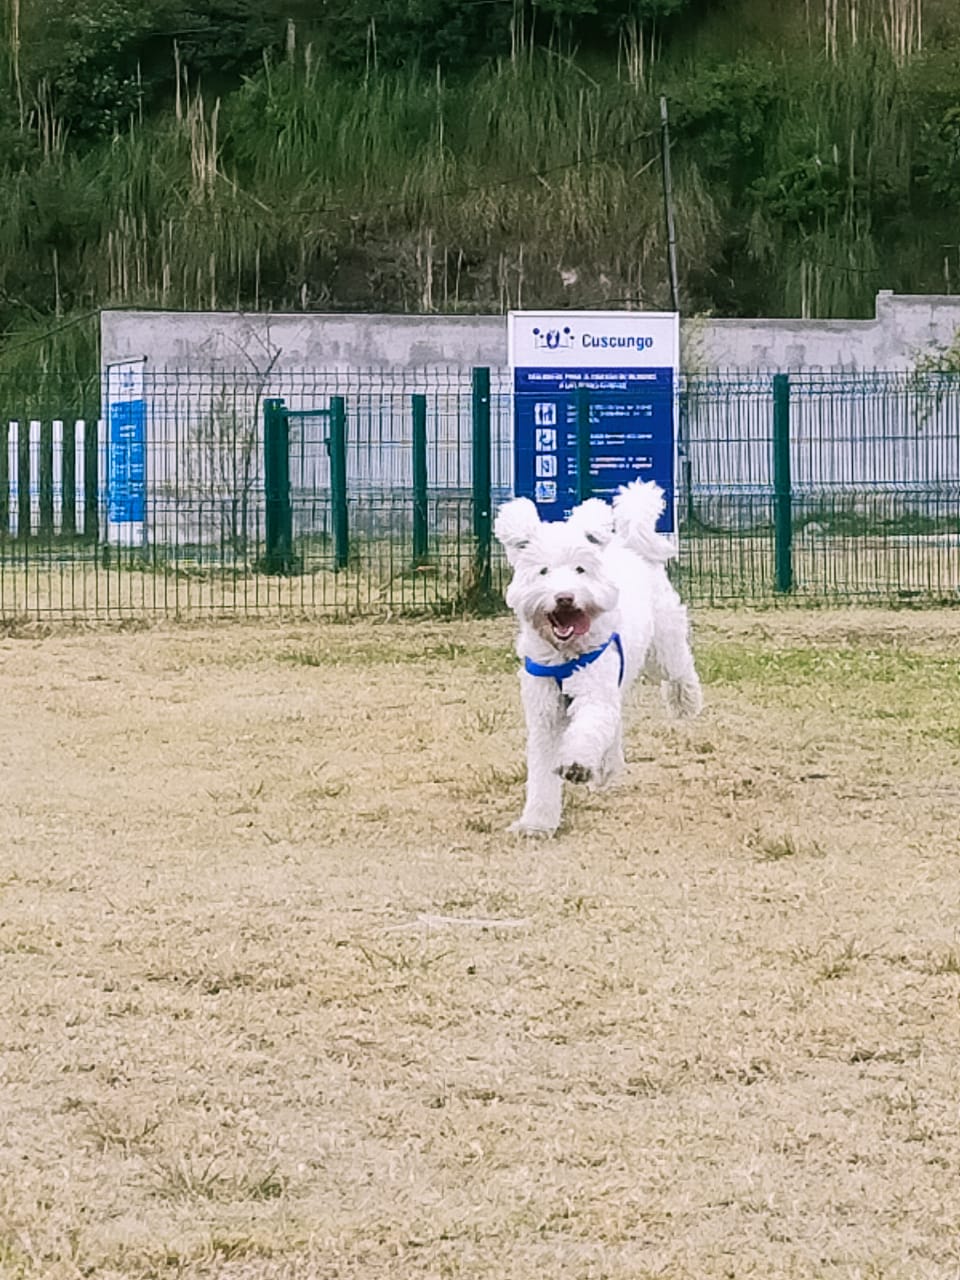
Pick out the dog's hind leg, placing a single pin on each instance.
(673, 658)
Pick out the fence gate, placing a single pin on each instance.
(279, 556)
(298, 471)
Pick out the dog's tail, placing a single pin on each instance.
(636, 509)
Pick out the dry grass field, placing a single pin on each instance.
(279, 998)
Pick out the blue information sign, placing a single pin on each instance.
(127, 482)
(626, 362)
(631, 435)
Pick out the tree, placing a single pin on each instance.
(104, 63)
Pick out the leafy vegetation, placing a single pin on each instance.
(426, 155)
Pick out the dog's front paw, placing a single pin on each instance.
(532, 829)
(575, 772)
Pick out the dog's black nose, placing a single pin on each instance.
(565, 601)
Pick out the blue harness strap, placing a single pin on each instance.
(563, 670)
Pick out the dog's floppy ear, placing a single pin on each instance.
(516, 525)
(593, 519)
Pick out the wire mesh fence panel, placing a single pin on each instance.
(725, 491)
(877, 485)
(167, 506)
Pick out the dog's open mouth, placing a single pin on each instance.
(567, 622)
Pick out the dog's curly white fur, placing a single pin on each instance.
(577, 583)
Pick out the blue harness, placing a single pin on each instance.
(562, 671)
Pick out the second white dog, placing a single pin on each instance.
(595, 608)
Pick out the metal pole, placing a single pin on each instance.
(668, 205)
(46, 524)
(683, 450)
(23, 480)
(482, 514)
(420, 532)
(4, 480)
(782, 495)
(338, 481)
(92, 479)
(269, 485)
(68, 500)
(584, 482)
(278, 516)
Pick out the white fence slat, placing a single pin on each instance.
(13, 473)
(79, 472)
(34, 476)
(56, 431)
(103, 474)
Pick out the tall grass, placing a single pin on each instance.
(50, 370)
(535, 157)
(838, 160)
(456, 194)
(533, 182)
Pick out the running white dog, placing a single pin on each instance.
(596, 608)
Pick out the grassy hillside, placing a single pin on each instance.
(816, 158)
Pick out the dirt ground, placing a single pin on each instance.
(280, 999)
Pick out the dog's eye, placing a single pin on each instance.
(543, 572)
(580, 569)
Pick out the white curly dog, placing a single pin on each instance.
(596, 609)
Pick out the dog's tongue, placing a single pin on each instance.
(573, 620)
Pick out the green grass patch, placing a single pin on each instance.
(739, 665)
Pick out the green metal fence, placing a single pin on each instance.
(335, 493)
(828, 487)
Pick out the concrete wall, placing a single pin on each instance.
(905, 326)
(254, 344)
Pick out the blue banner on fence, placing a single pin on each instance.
(627, 363)
(128, 474)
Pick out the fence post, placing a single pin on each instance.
(584, 484)
(23, 481)
(338, 481)
(782, 495)
(420, 531)
(68, 500)
(45, 524)
(683, 452)
(278, 516)
(92, 478)
(482, 514)
(4, 480)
